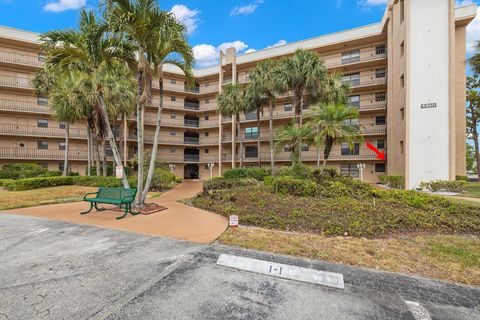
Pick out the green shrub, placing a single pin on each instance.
(437, 185)
(250, 172)
(163, 179)
(300, 171)
(395, 182)
(324, 173)
(47, 182)
(295, 187)
(2, 181)
(228, 183)
(461, 178)
(22, 171)
(110, 170)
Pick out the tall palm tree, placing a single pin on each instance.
(87, 50)
(295, 137)
(140, 21)
(232, 102)
(329, 124)
(172, 48)
(255, 102)
(304, 74)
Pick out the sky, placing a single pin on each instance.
(216, 24)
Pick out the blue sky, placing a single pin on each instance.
(214, 24)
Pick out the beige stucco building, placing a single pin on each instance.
(407, 75)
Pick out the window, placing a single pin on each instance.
(173, 115)
(207, 133)
(287, 107)
(305, 106)
(42, 101)
(352, 122)
(380, 97)
(251, 133)
(42, 123)
(402, 10)
(354, 79)
(402, 81)
(173, 98)
(305, 147)
(42, 145)
(380, 120)
(381, 144)
(207, 150)
(173, 133)
(402, 113)
(379, 167)
(62, 146)
(41, 57)
(354, 101)
(379, 50)
(350, 170)
(173, 81)
(173, 149)
(61, 166)
(207, 100)
(380, 73)
(402, 48)
(401, 146)
(207, 117)
(63, 125)
(346, 151)
(350, 57)
(43, 164)
(108, 150)
(251, 152)
(287, 148)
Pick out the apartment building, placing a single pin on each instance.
(407, 74)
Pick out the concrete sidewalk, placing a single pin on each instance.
(179, 221)
(58, 270)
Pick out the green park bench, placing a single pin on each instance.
(120, 197)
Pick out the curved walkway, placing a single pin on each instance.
(179, 221)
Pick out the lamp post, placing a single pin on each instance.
(210, 166)
(361, 167)
(172, 167)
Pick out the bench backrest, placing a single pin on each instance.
(116, 193)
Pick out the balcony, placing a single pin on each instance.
(363, 56)
(191, 105)
(335, 155)
(41, 154)
(23, 106)
(369, 105)
(191, 140)
(15, 82)
(191, 123)
(195, 89)
(35, 131)
(367, 80)
(20, 58)
(191, 157)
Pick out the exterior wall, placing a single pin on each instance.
(460, 97)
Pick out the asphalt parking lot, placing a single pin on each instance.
(58, 270)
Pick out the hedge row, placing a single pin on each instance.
(46, 182)
(438, 185)
(252, 172)
(395, 182)
(227, 183)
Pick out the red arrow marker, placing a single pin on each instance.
(380, 155)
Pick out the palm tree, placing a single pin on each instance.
(295, 137)
(87, 50)
(140, 21)
(329, 125)
(255, 102)
(303, 73)
(232, 102)
(172, 48)
(263, 82)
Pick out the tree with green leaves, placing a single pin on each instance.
(473, 115)
(87, 50)
(328, 122)
(295, 137)
(304, 73)
(264, 84)
(255, 102)
(231, 103)
(471, 161)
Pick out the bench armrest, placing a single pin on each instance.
(89, 193)
(127, 198)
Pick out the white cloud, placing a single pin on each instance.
(250, 50)
(186, 16)
(63, 5)
(371, 3)
(248, 9)
(278, 44)
(207, 55)
(473, 32)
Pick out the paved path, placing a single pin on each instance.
(57, 270)
(179, 221)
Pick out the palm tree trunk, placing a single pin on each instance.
(258, 139)
(477, 151)
(327, 150)
(301, 110)
(156, 139)
(318, 156)
(89, 151)
(233, 142)
(104, 158)
(67, 142)
(240, 139)
(272, 147)
(140, 145)
(97, 154)
(111, 140)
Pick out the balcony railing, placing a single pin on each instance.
(191, 123)
(195, 89)
(35, 131)
(369, 104)
(367, 80)
(20, 58)
(191, 140)
(364, 56)
(191, 105)
(23, 106)
(41, 154)
(15, 81)
(191, 157)
(335, 155)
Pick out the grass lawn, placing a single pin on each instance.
(448, 257)
(36, 197)
(472, 189)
